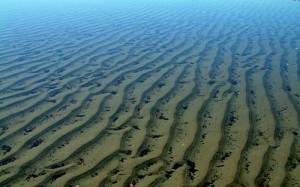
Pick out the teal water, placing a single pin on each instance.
(155, 93)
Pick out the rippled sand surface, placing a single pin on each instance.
(156, 93)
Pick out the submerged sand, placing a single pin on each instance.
(195, 94)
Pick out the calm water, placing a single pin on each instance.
(156, 93)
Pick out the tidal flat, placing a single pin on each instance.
(156, 93)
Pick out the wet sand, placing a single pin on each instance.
(171, 94)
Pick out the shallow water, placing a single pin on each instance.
(157, 93)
